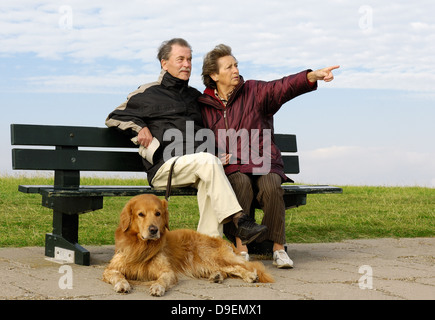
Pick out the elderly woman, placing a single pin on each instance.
(229, 102)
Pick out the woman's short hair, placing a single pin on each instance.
(165, 48)
(210, 64)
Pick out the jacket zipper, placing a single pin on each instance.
(227, 142)
(225, 118)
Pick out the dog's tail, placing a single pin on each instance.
(263, 275)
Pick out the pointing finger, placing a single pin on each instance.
(332, 68)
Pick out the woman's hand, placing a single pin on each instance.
(324, 74)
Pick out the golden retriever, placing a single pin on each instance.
(145, 250)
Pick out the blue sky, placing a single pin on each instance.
(73, 62)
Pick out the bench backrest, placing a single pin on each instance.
(67, 160)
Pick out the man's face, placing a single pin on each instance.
(179, 64)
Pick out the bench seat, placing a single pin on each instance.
(127, 191)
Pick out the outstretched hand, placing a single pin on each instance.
(324, 74)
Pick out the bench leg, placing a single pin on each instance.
(65, 236)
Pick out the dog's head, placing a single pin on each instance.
(145, 215)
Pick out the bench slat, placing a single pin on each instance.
(41, 135)
(291, 164)
(82, 160)
(316, 189)
(113, 191)
(38, 135)
(116, 191)
(286, 142)
(34, 159)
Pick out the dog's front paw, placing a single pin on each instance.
(122, 286)
(157, 290)
(217, 278)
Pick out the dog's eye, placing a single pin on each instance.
(158, 214)
(141, 214)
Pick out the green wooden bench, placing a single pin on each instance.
(106, 150)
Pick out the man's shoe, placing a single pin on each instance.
(282, 260)
(248, 230)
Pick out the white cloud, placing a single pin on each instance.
(117, 81)
(358, 165)
(274, 37)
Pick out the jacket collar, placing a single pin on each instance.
(167, 80)
(210, 92)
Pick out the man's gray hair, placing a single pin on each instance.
(165, 48)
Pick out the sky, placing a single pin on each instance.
(73, 62)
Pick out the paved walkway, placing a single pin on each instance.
(380, 269)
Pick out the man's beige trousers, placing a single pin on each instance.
(216, 198)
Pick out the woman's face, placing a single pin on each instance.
(228, 75)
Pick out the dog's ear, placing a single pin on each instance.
(125, 218)
(165, 213)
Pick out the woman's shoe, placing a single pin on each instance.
(282, 260)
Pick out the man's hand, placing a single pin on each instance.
(145, 137)
(324, 74)
(225, 158)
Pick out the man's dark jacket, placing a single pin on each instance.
(165, 104)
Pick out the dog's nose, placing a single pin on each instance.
(153, 230)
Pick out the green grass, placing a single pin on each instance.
(364, 212)
(360, 212)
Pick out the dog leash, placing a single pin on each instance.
(169, 184)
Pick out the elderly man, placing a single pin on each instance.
(169, 105)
